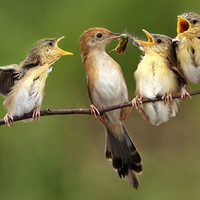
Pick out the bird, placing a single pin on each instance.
(22, 85)
(106, 86)
(187, 43)
(157, 75)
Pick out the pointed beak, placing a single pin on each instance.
(122, 42)
(62, 52)
(144, 43)
(183, 26)
(114, 36)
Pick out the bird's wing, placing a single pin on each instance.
(181, 79)
(173, 65)
(8, 75)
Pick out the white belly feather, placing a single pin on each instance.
(26, 95)
(110, 88)
(151, 83)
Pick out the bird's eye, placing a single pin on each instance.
(194, 21)
(159, 41)
(99, 35)
(50, 43)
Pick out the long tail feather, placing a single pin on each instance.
(124, 155)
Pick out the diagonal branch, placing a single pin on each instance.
(47, 111)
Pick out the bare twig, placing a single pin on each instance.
(46, 112)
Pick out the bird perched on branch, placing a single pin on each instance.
(106, 87)
(23, 85)
(188, 46)
(157, 75)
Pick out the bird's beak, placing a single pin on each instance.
(115, 36)
(183, 26)
(122, 42)
(62, 52)
(144, 43)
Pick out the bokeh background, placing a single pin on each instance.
(62, 157)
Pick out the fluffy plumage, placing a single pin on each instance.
(188, 45)
(157, 75)
(106, 87)
(23, 85)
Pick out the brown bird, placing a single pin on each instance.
(23, 85)
(106, 87)
(157, 75)
(188, 46)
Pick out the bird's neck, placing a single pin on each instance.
(28, 64)
(37, 73)
(99, 61)
(93, 54)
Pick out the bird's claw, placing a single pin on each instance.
(36, 114)
(167, 98)
(8, 119)
(94, 111)
(136, 102)
(184, 93)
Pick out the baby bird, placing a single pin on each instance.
(106, 87)
(188, 46)
(23, 85)
(157, 75)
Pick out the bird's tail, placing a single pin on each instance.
(124, 155)
(158, 112)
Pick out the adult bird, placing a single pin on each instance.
(157, 75)
(23, 85)
(188, 45)
(106, 86)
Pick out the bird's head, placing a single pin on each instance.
(46, 51)
(156, 43)
(188, 24)
(96, 38)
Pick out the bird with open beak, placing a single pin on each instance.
(157, 75)
(106, 87)
(188, 46)
(23, 85)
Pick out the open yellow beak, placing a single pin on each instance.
(183, 26)
(63, 53)
(149, 37)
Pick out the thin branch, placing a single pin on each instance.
(47, 112)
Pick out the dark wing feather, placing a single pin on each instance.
(8, 76)
(173, 65)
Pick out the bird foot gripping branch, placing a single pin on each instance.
(184, 93)
(167, 98)
(8, 119)
(36, 114)
(137, 101)
(94, 111)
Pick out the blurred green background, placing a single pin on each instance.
(62, 157)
